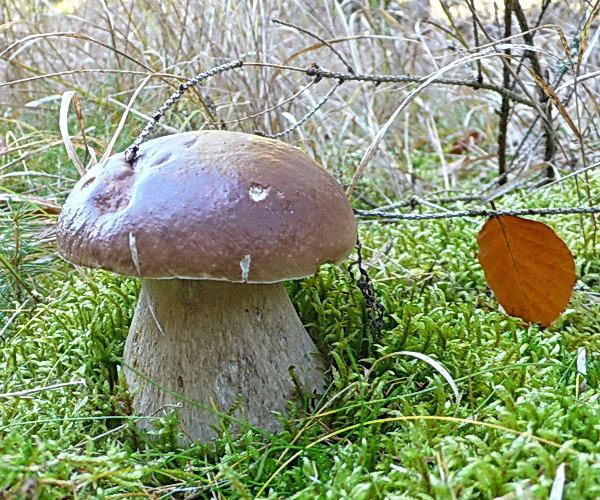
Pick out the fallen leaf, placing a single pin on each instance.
(466, 144)
(529, 268)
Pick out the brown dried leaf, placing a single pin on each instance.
(467, 143)
(529, 268)
(557, 103)
(585, 33)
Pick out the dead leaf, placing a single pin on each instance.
(529, 268)
(467, 143)
(557, 103)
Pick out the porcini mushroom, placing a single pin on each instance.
(213, 222)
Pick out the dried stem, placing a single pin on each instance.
(505, 104)
(316, 71)
(317, 37)
(28, 392)
(302, 120)
(550, 144)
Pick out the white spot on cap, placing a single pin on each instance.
(258, 192)
(245, 266)
(134, 254)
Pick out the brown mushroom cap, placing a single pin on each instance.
(208, 205)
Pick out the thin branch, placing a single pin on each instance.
(504, 111)
(266, 111)
(131, 151)
(302, 120)
(378, 79)
(475, 19)
(549, 138)
(317, 37)
(395, 216)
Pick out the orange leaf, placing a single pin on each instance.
(529, 268)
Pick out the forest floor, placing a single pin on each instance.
(447, 396)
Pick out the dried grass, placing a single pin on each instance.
(104, 50)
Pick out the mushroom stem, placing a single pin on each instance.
(214, 342)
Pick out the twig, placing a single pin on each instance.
(471, 5)
(374, 308)
(302, 120)
(550, 145)
(370, 151)
(270, 109)
(504, 111)
(131, 151)
(414, 201)
(317, 37)
(565, 177)
(394, 216)
(40, 389)
(378, 79)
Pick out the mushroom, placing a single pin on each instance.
(213, 222)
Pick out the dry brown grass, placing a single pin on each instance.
(104, 50)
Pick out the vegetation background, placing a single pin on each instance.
(526, 423)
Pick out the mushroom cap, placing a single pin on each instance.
(208, 205)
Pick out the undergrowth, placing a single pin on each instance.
(374, 433)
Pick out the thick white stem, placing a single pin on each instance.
(213, 342)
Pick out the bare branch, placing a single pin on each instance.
(317, 37)
(302, 120)
(131, 151)
(395, 216)
(378, 79)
